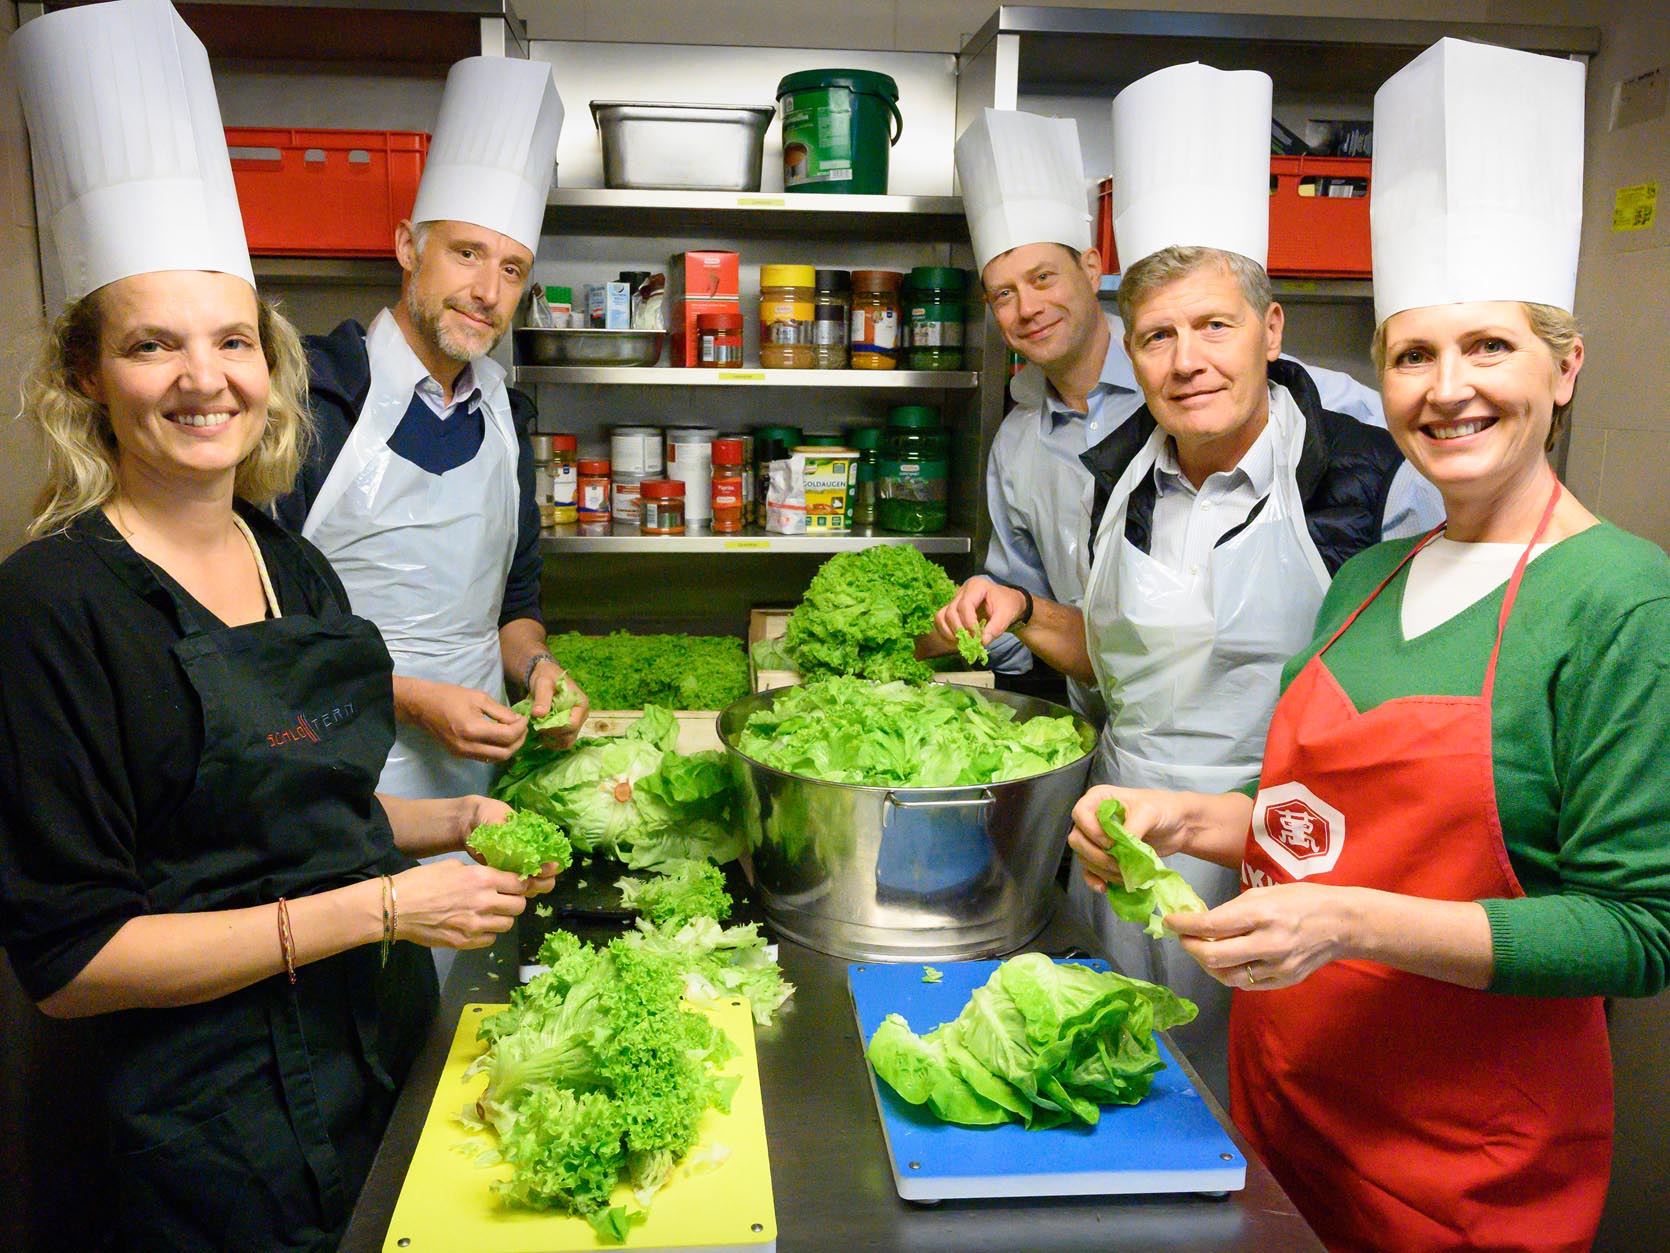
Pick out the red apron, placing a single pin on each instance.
(1402, 1112)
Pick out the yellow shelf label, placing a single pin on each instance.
(1633, 207)
(734, 544)
(742, 376)
(761, 202)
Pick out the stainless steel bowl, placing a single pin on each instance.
(586, 346)
(906, 874)
(693, 147)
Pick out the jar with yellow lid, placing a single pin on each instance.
(787, 293)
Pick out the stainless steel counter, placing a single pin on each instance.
(828, 1162)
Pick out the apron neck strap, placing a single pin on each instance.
(1512, 593)
(1381, 586)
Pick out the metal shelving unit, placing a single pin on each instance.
(1289, 290)
(750, 376)
(768, 215)
(699, 539)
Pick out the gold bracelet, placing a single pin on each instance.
(394, 911)
(286, 941)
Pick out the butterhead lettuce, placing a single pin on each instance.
(1151, 889)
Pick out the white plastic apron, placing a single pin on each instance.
(1191, 669)
(424, 556)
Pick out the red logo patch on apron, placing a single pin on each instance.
(1301, 833)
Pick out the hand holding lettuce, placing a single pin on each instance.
(1151, 890)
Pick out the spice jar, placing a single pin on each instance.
(866, 441)
(875, 319)
(565, 480)
(913, 480)
(831, 315)
(719, 339)
(626, 498)
(786, 297)
(663, 507)
(933, 313)
(592, 490)
(541, 447)
(728, 481)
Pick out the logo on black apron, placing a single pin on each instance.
(307, 730)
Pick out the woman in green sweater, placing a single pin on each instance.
(1460, 840)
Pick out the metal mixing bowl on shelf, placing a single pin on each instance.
(536, 345)
(906, 874)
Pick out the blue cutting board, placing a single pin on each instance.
(1169, 1142)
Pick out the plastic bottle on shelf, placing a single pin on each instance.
(914, 471)
(934, 310)
(831, 319)
(787, 293)
(728, 480)
(875, 319)
(565, 480)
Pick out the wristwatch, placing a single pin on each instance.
(1026, 613)
(533, 664)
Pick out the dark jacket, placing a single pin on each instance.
(339, 378)
(1345, 472)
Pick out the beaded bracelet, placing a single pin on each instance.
(286, 941)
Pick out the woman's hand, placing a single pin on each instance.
(545, 681)
(1213, 828)
(448, 904)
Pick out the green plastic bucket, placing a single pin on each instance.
(838, 128)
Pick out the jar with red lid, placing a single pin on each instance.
(565, 482)
(592, 490)
(662, 502)
(719, 339)
(728, 481)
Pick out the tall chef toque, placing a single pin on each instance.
(1022, 179)
(127, 144)
(495, 147)
(1478, 179)
(1191, 162)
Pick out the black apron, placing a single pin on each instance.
(250, 1122)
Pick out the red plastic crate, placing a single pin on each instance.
(324, 193)
(1310, 236)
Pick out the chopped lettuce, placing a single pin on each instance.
(630, 796)
(718, 962)
(863, 613)
(904, 735)
(681, 891)
(970, 647)
(522, 844)
(1041, 1043)
(1151, 889)
(626, 671)
(932, 974)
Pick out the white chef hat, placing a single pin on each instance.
(1477, 191)
(494, 148)
(1022, 179)
(1191, 162)
(127, 144)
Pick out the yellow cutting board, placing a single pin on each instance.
(445, 1204)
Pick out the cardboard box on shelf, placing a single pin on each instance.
(697, 282)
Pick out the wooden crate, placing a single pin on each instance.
(698, 730)
(770, 624)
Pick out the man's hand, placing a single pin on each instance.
(546, 676)
(467, 723)
(978, 601)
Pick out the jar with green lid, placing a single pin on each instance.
(866, 440)
(771, 443)
(934, 310)
(822, 439)
(787, 293)
(831, 310)
(913, 472)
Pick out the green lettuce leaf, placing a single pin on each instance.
(1151, 889)
(971, 649)
(560, 714)
(863, 612)
(626, 671)
(522, 844)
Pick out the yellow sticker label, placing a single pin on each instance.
(742, 376)
(1633, 207)
(760, 202)
(732, 545)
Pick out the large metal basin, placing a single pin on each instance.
(893, 874)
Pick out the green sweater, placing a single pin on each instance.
(1581, 730)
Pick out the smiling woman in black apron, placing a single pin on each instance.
(192, 721)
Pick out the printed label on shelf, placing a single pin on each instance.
(734, 544)
(742, 376)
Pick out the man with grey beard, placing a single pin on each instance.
(420, 485)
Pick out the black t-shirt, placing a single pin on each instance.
(101, 733)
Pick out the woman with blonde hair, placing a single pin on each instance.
(1460, 841)
(192, 720)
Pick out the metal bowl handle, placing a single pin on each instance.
(985, 798)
